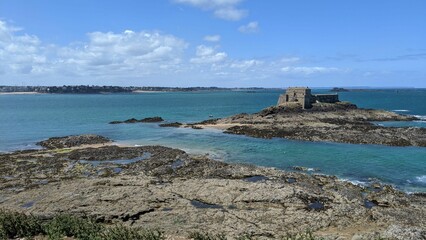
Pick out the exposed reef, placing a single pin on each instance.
(161, 187)
(173, 124)
(144, 120)
(73, 141)
(339, 89)
(334, 122)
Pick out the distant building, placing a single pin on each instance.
(304, 96)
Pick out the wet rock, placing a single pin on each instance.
(316, 205)
(151, 119)
(144, 120)
(339, 122)
(173, 124)
(131, 120)
(209, 121)
(257, 178)
(370, 204)
(200, 204)
(73, 141)
(300, 168)
(115, 122)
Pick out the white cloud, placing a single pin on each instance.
(224, 9)
(135, 58)
(206, 54)
(104, 54)
(289, 60)
(246, 64)
(251, 27)
(230, 13)
(212, 38)
(19, 53)
(308, 70)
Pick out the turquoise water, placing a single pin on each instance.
(26, 119)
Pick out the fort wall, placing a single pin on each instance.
(304, 96)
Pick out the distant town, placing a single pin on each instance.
(85, 89)
(93, 89)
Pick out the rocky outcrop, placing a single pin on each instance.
(160, 187)
(338, 89)
(339, 122)
(144, 120)
(173, 124)
(73, 141)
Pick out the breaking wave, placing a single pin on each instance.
(421, 179)
(401, 110)
(422, 117)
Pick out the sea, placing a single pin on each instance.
(27, 119)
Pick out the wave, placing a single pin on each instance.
(422, 117)
(421, 179)
(401, 110)
(355, 182)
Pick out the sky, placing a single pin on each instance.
(224, 43)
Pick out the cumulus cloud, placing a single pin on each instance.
(251, 27)
(224, 9)
(246, 64)
(127, 48)
(308, 70)
(289, 60)
(206, 54)
(108, 58)
(19, 53)
(104, 54)
(212, 38)
(230, 13)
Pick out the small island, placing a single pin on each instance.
(300, 115)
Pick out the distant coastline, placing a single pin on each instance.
(83, 89)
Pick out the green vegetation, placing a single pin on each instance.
(18, 225)
(122, 232)
(70, 226)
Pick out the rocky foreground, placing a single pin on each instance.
(160, 187)
(334, 122)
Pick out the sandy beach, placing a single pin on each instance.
(18, 93)
(141, 91)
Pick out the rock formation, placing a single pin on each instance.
(160, 187)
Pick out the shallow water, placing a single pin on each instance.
(26, 119)
(116, 161)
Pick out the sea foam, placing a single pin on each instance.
(421, 179)
(422, 117)
(401, 110)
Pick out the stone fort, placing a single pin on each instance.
(304, 96)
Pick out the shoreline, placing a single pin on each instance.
(218, 156)
(156, 186)
(19, 93)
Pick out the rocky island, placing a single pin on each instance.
(321, 117)
(164, 188)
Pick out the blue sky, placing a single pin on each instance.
(230, 43)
